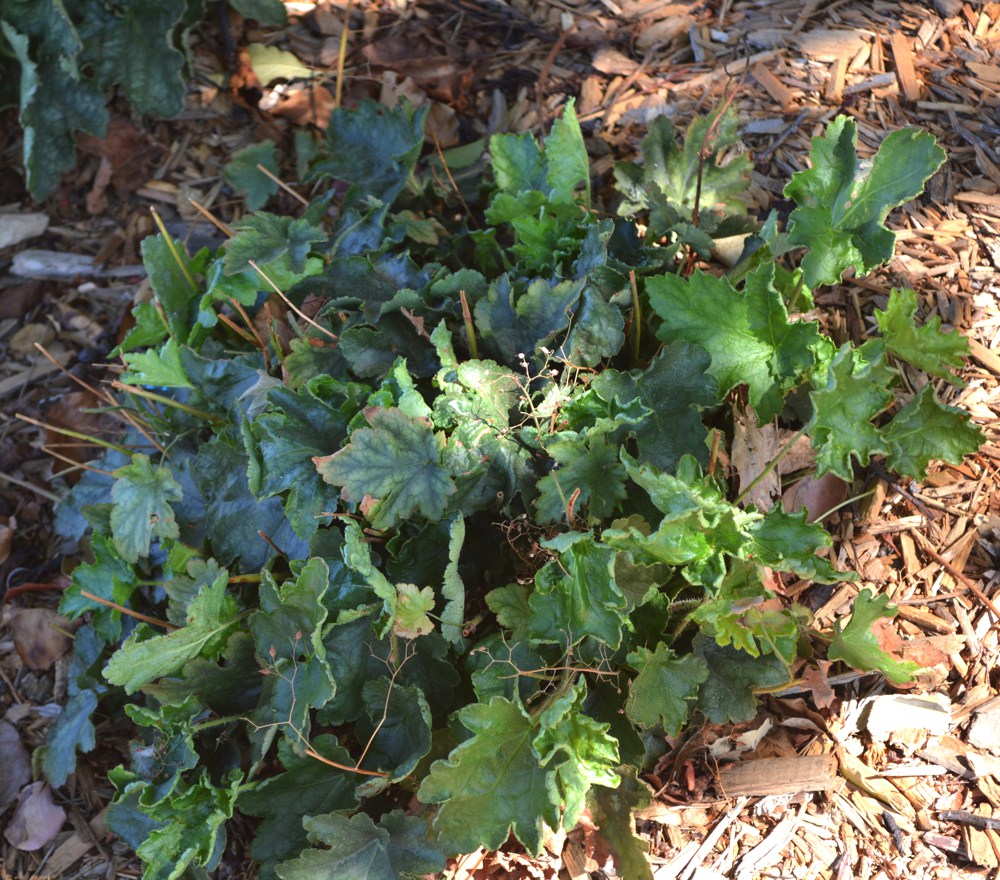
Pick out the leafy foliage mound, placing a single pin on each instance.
(438, 539)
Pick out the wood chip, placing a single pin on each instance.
(779, 775)
(783, 95)
(828, 45)
(903, 56)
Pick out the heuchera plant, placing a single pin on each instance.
(425, 499)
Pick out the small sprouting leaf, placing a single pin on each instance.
(926, 429)
(140, 660)
(843, 203)
(491, 784)
(243, 175)
(925, 347)
(412, 605)
(858, 646)
(141, 510)
(665, 690)
(747, 333)
(398, 463)
(358, 849)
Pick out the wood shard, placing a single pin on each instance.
(775, 87)
(903, 57)
(779, 776)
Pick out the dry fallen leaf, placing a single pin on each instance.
(15, 765)
(39, 636)
(8, 528)
(36, 820)
(816, 494)
(754, 448)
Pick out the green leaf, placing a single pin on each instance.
(291, 617)
(491, 784)
(397, 464)
(925, 347)
(395, 728)
(856, 391)
(727, 693)
(134, 48)
(577, 596)
(300, 427)
(140, 660)
(412, 605)
(307, 787)
(748, 334)
(271, 64)
(161, 367)
(55, 104)
(453, 590)
(171, 271)
(540, 312)
(373, 148)
(843, 203)
(243, 175)
(578, 748)
(925, 430)
(267, 13)
(266, 238)
(666, 688)
(612, 810)
(786, 542)
(858, 646)
(142, 494)
(587, 472)
(675, 387)
(107, 577)
(358, 558)
(566, 161)
(518, 163)
(73, 732)
(358, 849)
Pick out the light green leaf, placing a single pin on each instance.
(243, 175)
(925, 347)
(841, 429)
(141, 508)
(858, 646)
(566, 161)
(160, 367)
(453, 590)
(271, 64)
(491, 784)
(843, 202)
(926, 430)
(665, 690)
(748, 334)
(140, 660)
(397, 463)
(358, 849)
(265, 238)
(412, 605)
(358, 558)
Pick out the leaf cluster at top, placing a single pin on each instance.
(460, 531)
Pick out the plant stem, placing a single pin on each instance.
(636, 318)
(470, 328)
(168, 239)
(168, 401)
(107, 444)
(215, 722)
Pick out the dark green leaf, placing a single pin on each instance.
(786, 542)
(395, 729)
(612, 810)
(588, 482)
(267, 13)
(727, 694)
(265, 238)
(665, 690)
(247, 179)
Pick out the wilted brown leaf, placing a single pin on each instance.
(39, 635)
(36, 820)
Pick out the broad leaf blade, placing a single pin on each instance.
(858, 646)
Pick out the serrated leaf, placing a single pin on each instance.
(786, 542)
(587, 483)
(612, 810)
(141, 507)
(265, 238)
(453, 588)
(925, 347)
(358, 558)
(858, 646)
(577, 596)
(271, 64)
(243, 175)
(666, 688)
(491, 784)
(72, 732)
(140, 660)
(748, 334)
(374, 149)
(55, 104)
(926, 430)
(412, 605)
(395, 728)
(727, 694)
(841, 429)
(566, 161)
(171, 270)
(134, 48)
(358, 849)
(843, 203)
(675, 387)
(301, 426)
(160, 367)
(517, 323)
(307, 787)
(398, 462)
(577, 748)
